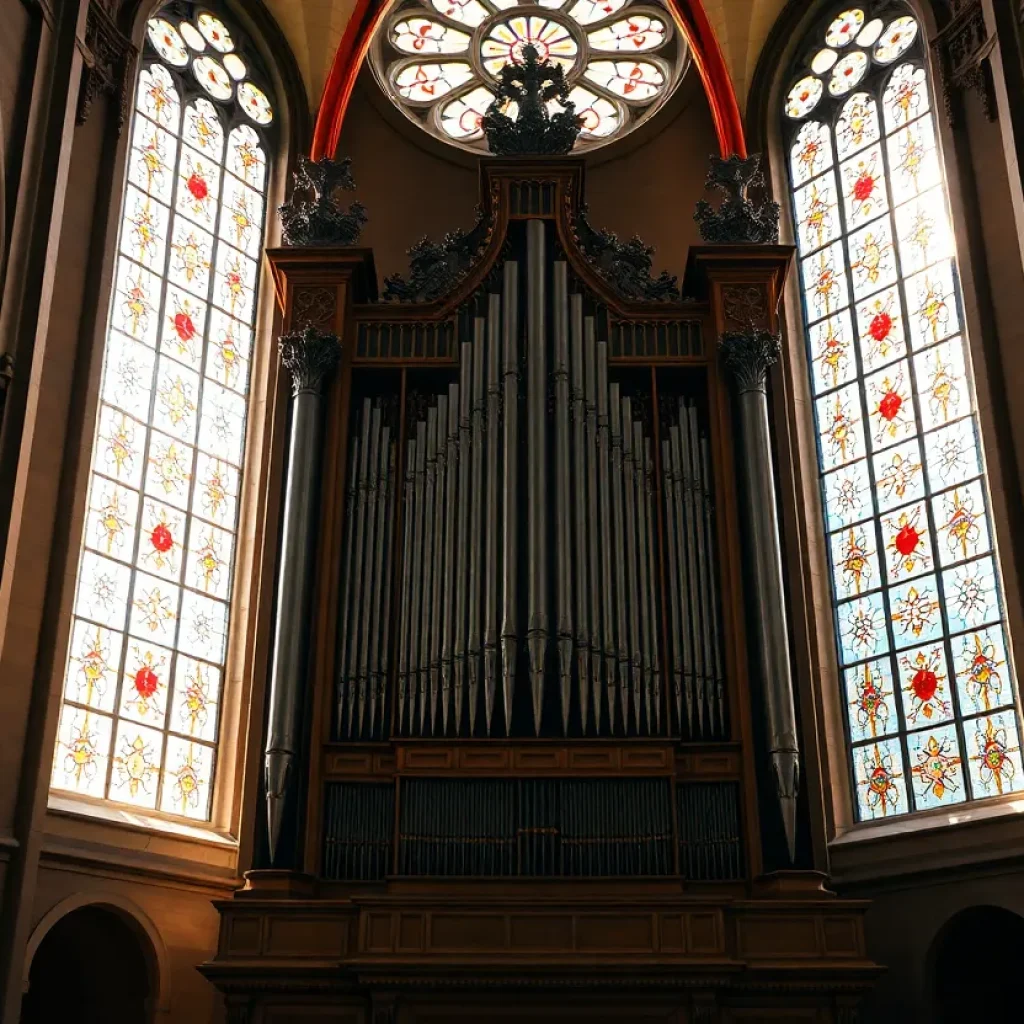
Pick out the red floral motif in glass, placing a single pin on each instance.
(196, 184)
(924, 684)
(146, 681)
(889, 406)
(161, 538)
(907, 540)
(880, 326)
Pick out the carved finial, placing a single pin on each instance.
(309, 355)
(435, 268)
(626, 266)
(312, 216)
(531, 85)
(738, 219)
(749, 354)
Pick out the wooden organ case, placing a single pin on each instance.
(528, 788)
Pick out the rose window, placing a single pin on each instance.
(439, 61)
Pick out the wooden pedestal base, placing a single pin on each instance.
(608, 953)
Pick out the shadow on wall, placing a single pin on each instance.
(974, 966)
(92, 967)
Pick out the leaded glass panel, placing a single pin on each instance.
(439, 61)
(931, 712)
(142, 687)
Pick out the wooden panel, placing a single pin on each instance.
(500, 758)
(842, 936)
(541, 759)
(426, 759)
(540, 932)
(297, 935)
(704, 933)
(313, 1015)
(525, 933)
(243, 935)
(778, 936)
(376, 935)
(782, 1015)
(619, 933)
(349, 763)
(485, 759)
(412, 933)
(474, 933)
(708, 764)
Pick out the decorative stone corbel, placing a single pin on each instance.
(108, 60)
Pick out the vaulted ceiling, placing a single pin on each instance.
(315, 27)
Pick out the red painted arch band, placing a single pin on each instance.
(690, 14)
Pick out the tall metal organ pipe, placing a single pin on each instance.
(536, 448)
(491, 520)
(476, 497)
(510, 437)
(589, 488)
(562, 496)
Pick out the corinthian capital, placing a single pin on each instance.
(749, 354)
(309, 356)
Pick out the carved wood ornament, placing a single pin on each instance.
(963, 49)
(108, 62)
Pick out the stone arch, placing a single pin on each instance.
(971, 963)
(137, 920)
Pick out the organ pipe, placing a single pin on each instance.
(491, 523)
(583, 496)
(408, 511)
(510, 549)
(601, 524)
(443, 484)
(476, 496)
(632, 562)
(562, 498)
(593, 506)
(448, 595)
(461, 560)
(536, 446)
(428, 568)
(618, 532)
(591, 487)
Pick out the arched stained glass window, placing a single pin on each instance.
(929, 693)
(144, 677)
(439, 60)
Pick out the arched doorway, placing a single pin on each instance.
(975, 963)
(91, 967)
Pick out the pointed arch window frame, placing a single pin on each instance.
(970, 753)
(215, 812)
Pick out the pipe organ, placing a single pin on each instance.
(531, 747)
(541, 533)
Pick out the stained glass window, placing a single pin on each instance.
(931, 713)
(439, 60)
(145, 670)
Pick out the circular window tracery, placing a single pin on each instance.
(210, 52)
(438, 61)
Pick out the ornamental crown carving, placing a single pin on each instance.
(313, 215)
(738, 219)
(309, 356)
(535, 131)
(749, 355)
